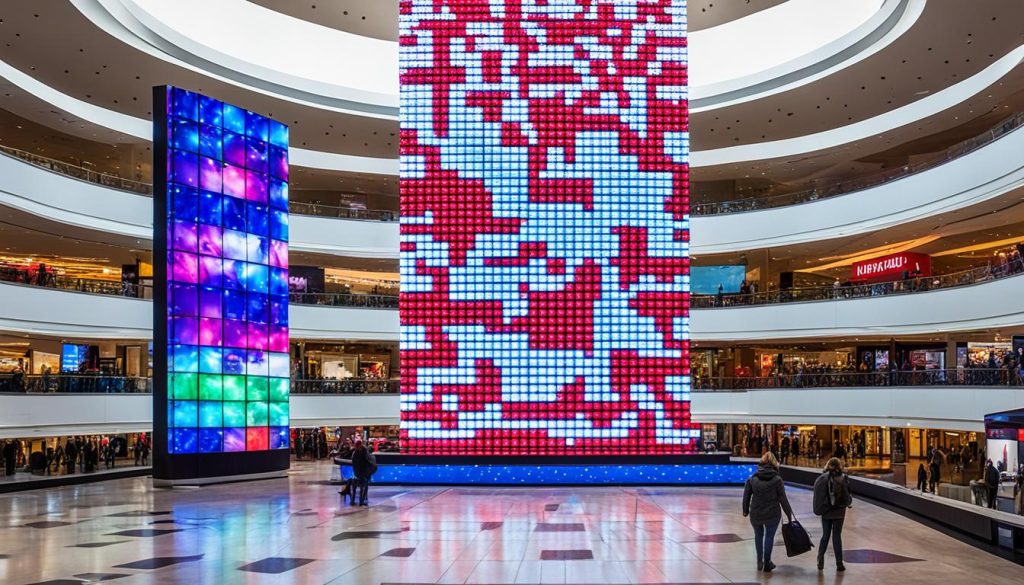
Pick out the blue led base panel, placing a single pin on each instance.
(495, 473)
(220, 248)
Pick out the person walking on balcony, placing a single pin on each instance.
(832, 497)
(922, 478)
(764, 500)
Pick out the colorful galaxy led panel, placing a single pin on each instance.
(226, 267)
(545, 229)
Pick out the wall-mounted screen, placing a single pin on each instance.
(545, 228)
(221, 349)
(705, 280)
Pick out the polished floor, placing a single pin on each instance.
(297, 530)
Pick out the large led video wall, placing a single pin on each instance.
(545, 228)
(221, 310)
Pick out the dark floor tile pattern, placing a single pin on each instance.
(43, 524)
(567, 555)
(365, 534)
(91, 577)
(97, 544)
(399, 553)
(491, 525)
(871, 556)
(146, 532)
(60, 582)
(553, 527)
(551, 507)
(136, 514)
(159, 562)
(275, 565)
(725, 538)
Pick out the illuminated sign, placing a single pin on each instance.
(221, 301)
(892, 267)
(545, 227)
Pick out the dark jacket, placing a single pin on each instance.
(991, 476)
(763, 495)
(363, 463)
(821, 504)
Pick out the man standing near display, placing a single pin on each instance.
(991, 483)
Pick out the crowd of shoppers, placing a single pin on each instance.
(78, 454)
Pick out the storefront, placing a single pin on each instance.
(328, 361)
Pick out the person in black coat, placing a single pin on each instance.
(991, 483)
(363, 466)
(831, 499)
(10, 453)
(764, 500)
(922, 478)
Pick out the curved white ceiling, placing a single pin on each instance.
(143, 129)
(753, 56)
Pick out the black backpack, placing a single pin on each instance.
(839, 495)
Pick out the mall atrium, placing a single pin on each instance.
(511, 291)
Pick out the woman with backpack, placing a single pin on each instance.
(764, 500)
(831, 499)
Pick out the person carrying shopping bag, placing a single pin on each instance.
(832, 497)
(764, 500)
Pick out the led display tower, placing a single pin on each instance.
(544, 228)
(220, 320)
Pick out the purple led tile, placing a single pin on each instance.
(184, 236)
(211, 332)
(209, 174)
(256, 186)
(234, 181)
(210, 240)
(184, 268)
(234, 334)
(211, 271)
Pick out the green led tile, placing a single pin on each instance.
(211, 387)
(185, 386)
(256, 388)
(256, 414)
(278, 414)
(234, 414)
(279, 389)
(211, 414)
(234, 388)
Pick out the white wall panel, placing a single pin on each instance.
(989, 305)
(41, 415)
(936, 407)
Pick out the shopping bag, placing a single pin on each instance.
(796, 539)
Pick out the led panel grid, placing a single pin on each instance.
(545, 228)
(227, 277)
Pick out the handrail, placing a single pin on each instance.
(833, 188)
(998, 377)
(105, 384)
(74, 384)
(79, 172)
(859, 291)
(818, 190)
(771, 297)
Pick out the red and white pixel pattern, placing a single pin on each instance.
(545, 229)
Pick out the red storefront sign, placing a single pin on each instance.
(891, 267)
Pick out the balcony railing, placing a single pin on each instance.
(103, 384)
(818, 190)
(990, 377)
(372, 301)
(833, 188)
(79, 172)
(73, 384)
(347, 386)
(860, 291)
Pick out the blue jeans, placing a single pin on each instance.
(833, 528)
(764, 540)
